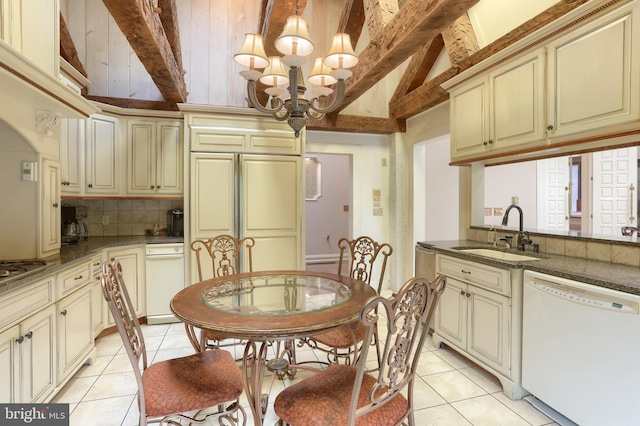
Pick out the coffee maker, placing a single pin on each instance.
(175, 222)
(74, 227)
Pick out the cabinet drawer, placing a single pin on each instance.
(25, 300)
(73, 278)
(96, 265)
(477, 274)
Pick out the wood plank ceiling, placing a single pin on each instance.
(398, 30)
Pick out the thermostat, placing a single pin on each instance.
(29, 169)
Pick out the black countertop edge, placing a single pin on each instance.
(83, 251)
(615, 276)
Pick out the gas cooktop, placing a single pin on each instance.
(14, 269)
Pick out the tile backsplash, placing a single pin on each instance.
(125, 217)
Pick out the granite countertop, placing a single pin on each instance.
(82, 251)
(615, 276)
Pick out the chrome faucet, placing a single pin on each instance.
(522, 238)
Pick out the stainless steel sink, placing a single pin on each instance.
(501, 255)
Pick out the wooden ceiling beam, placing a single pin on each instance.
(431, 94)
(418, 68)
(417, 23)
(169, 19)
(68, 48)
(352, 20)
(358, 124)
(378, 14)
(460, 41)
(141, 25)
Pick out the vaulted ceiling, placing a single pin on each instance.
(398, 30)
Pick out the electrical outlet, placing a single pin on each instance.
(377, 211)
(105, 220)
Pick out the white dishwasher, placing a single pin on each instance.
(581, 350)
(165, 277)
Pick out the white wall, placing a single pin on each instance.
(503, 182)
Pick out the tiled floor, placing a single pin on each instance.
(450, 390)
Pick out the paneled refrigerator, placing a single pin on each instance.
(249, 195)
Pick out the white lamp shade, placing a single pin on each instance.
(252, 53)
(274, 74)
(341, 54)
(295, 39)
(321, 74)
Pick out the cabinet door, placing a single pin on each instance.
(132, 262)
(103, 155)
(9, 365)
(97, 300)
(141, 154)
(75, 331)
(213, 195)
(517, 102)
(602, 56)
(470, 118)
(50, 211)
(38, 351)
(71, 150)
(271, 209)
(169, 158)
(489, 328)
(451, 315)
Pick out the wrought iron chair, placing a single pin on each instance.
(341, 343)
(222, 255)
(169, 389)
(345, 394)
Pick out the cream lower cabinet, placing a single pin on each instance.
(475, 317)
(75, 332)
(49, 196)
(27, 359)
(97, 299)
(132, 261)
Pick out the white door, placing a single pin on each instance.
(553, 193)
(614, 190)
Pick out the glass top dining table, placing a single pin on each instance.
(262, 307)
(271, 305)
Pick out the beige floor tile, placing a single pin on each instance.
(109, 411)
(162, 355)
(112, 385)
(488, 411)
(524, 410)
(424, 396)
(95, 369)
(453, 386)
(118, 364)
(430, 363)
(450, 356)
(109, 347)
(75, 389)
(441, 415)
(486, 381)
(154, 330)
(173, 341)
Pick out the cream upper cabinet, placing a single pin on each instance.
(594, 75)
(154, 157)
(72, 141)
(500, 110)
(50, 209)
(103, 155)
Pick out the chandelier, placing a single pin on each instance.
(295, 44)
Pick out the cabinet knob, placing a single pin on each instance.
(152, 186)
(55, 205)
(485, 143)
(462, 292)
(468, 294)
(550, 127)
(90, 185)
(64, 313)
(20, 339)
(29, 335)
(490, 141)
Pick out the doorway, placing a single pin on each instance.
(328, 208)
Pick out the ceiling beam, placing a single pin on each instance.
(358, 124)
(417, 23)
(352, 20)
(378, 13)
(169, 19)
(431, 94)
(68, 48)
(460, 41)
(141, 25)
